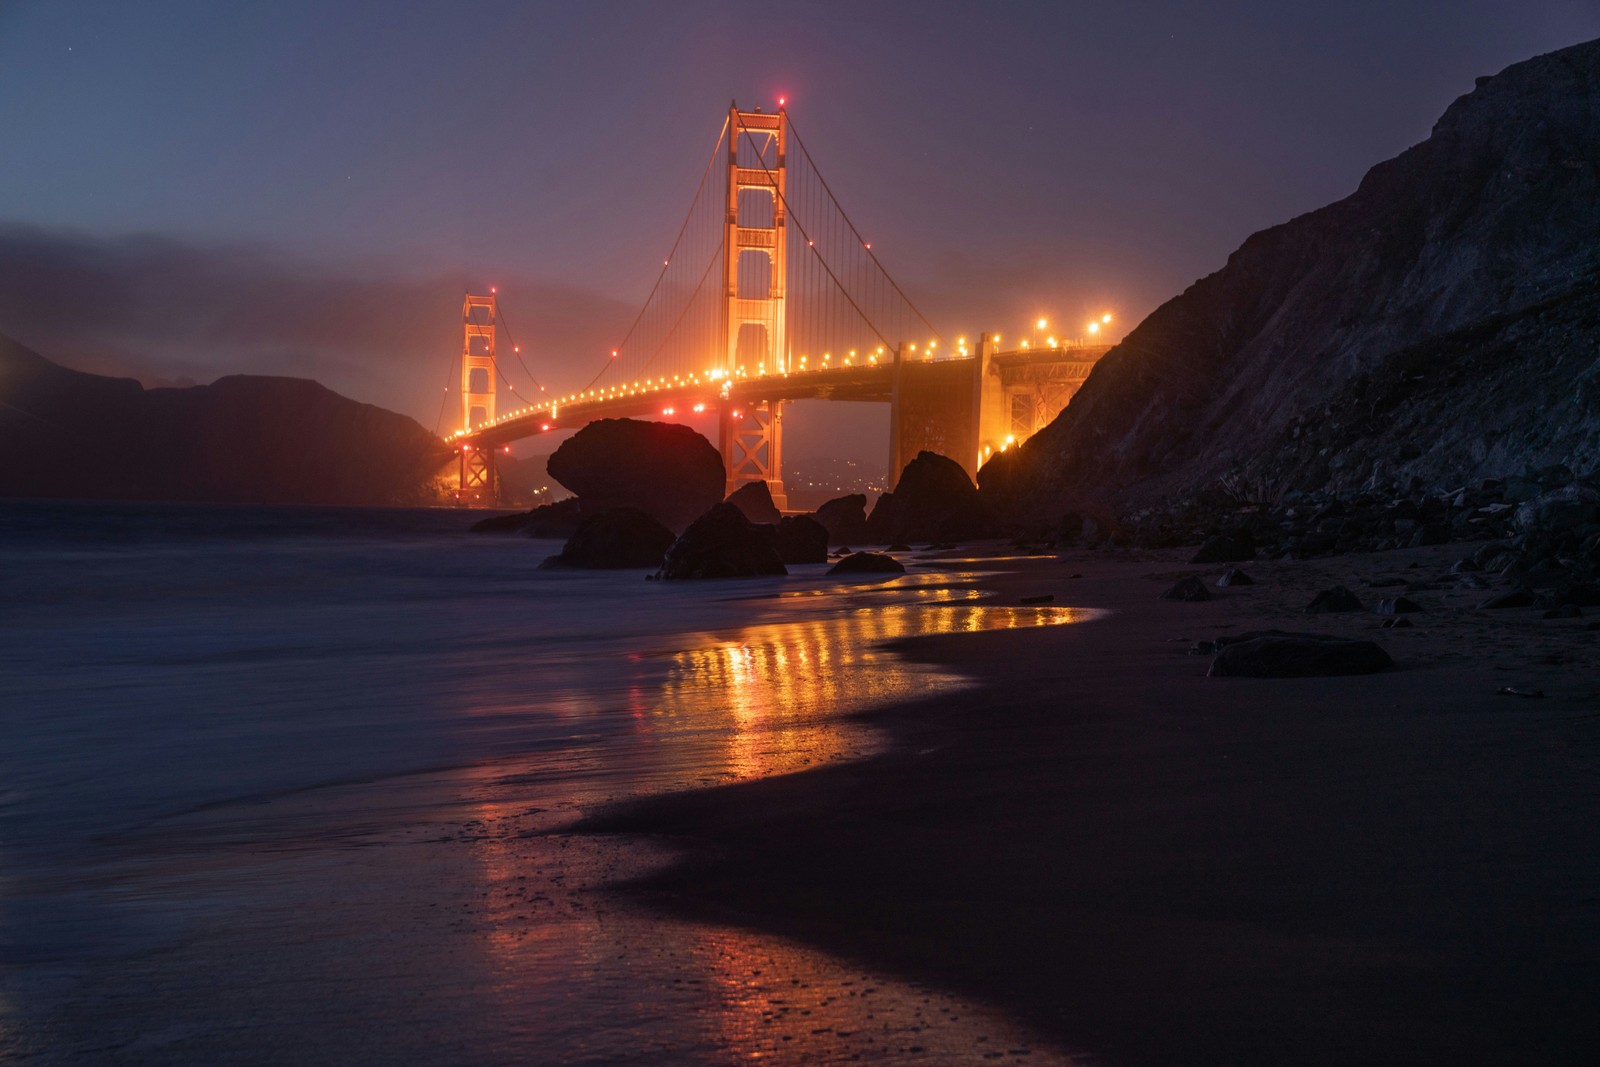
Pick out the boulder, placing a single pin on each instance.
(1336, 599)
(755, 500)
(722, 543)
(1297, 656)
(801, 539)
(1397, 605)
(868, 563)
(1224, 549)
(667, 471)
(559, 519)
(621, 537)
(934, 500)
(1190, 589)
(1565, 509)
(845, 518)
(1232, 577)
(1511, 598)
(554, 520)
(501, 524)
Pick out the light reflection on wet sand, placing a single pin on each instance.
(447, 918)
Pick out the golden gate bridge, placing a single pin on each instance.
(769, 294)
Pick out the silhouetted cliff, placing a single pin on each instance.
(242, 439)
(1442, 323)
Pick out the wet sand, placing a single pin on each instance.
(1156, 867)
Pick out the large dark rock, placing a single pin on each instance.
(241, 439)
(559, 519)
(1335, 599)
(501, 524)
(868, 563)
(667, 471)
(621, 537)
(722, 543)
(1511, 598)
(934, 500)
(1190, 589)
(1437, 324)
(755, 500)
(845, 518)
(1225, 549)
(801, 539)
(1288, 655)
(1569, 508)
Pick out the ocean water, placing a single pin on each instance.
(290, 785)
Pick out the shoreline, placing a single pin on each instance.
(1152, 866)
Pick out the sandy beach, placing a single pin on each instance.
(1157, 867)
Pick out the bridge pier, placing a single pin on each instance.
(934, 406)
(750, 438)
(479, 478)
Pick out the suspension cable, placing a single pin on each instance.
(866, 247)
(824, 263)
(667, 263)
(514, 351)
(716, 254)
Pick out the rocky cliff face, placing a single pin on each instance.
(241, 439)
(1442, 323)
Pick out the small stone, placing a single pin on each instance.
(1224, 550)
(1298, 656)
(1336, 599)
(868, 563)
(1397, 605)
(1190, 589)
(1511, 598)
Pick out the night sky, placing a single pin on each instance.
(194, 189)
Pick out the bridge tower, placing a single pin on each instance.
(755, 259)
(479, 327)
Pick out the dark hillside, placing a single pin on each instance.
(1441, 323)
(242, 439)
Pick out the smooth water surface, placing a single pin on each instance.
(288, 785)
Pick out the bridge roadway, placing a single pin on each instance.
(862, 382)
(870, 382)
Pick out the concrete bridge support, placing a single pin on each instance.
(479, 478)
(750, 438)
(934, 407)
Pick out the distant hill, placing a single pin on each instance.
(1441, 323)
(242, 439)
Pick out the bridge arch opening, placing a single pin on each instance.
(754, 346)
(478, 416)
(478, 380)
(755, 275)
(757, 208)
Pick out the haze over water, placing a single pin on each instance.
(288, 785)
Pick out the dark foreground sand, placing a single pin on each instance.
(1163, 868)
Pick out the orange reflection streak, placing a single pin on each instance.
(765, 699)
(778, 689)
